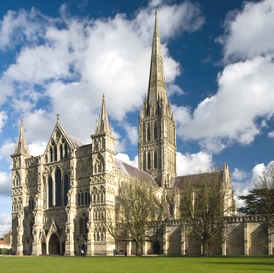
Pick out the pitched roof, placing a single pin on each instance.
(196, 180)
(132, 171)
(76, 142)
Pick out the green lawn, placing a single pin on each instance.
(56, 264)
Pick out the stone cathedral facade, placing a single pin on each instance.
(60, 198)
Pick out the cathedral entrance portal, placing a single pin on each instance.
(54, 244)
(156, 247)
(44, 251)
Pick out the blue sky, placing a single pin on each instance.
(61, 56)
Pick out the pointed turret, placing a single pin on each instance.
(157, 85)
(102, 123)
(21, 147)
(103, 144)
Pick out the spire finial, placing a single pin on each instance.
(21, 147)
(103, 124)
(157, 86)
(58, 117)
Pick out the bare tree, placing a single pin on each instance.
(205, 200)
(138, 212)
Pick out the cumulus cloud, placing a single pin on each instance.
(239, 175)
(5, 224)
(3, 118)
(243, 182)
(5, 183)
(72, 62)
(7, 149)
(249, 32)
(125, 158)
(191, 163)
(243, 103)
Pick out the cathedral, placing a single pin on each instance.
(60, 198)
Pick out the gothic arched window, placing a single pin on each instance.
(81, 226)
(148, 161)
(148, 132)
(144, 161)
(58, 193)
(50, 199)
(51, 154)
(55, 153)
(61, 151)
(82, 199)
(66, 189)
(66, 150)
(155, 130)
(155, 160)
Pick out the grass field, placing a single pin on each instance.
(56, 264)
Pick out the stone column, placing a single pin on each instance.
(129, 248)
(69, 245)
(145, 247)
(90, 243)
(19, 250)
(36, 246)
(270, 241)
(246, 242)
(224, 240)
(165, 240)
(183, 239)
(20, 232)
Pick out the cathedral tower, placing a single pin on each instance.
(157, 132)
(19, 194)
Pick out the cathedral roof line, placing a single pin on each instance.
(130, 170)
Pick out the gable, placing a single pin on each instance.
(60, 143)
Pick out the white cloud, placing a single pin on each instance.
(245, 87)
(7, 148)
(191, 163)
(5, 183)
(125, 158)
(5, 224)
(271, 134)
(241, 188)
(132, 133)
(71, 66)
(3, 119)
(249, 32)
(239, 175)
(245, 93)
(37, 148)
(244, 182)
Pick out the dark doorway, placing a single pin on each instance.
(44, 249)
(54, 244)
(84, 249)
(63, 248)
(156, 247)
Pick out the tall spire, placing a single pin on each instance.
(157, 85)
(21, 147)
(103, 124)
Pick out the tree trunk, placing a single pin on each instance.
(205, 248)
(139, 248)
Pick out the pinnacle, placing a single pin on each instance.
(157, 86)
(103, 123)
(21, 147)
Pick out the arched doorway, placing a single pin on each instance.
(44, 251)
(54, 244)
(156, 247)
